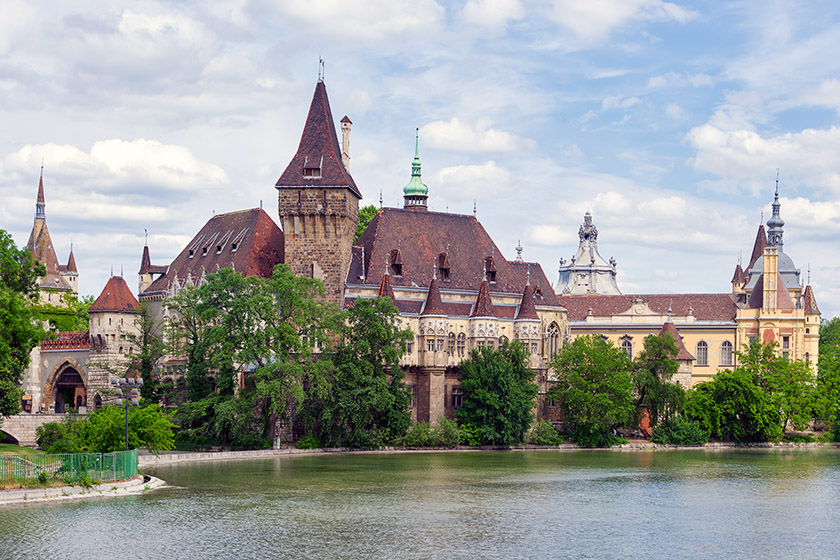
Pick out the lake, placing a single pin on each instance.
(595, 504)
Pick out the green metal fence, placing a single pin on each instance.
(70, 468)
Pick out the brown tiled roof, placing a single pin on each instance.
(738, 277)
(385, 288)
(540, 285)
(809, 302)
(67, 340)
(71, 263)
(146, 266)
(318, 148)
(434, 305)
(41, 246)
(116, 297)
(705, 307)
(527, 309)
(345, 118)
(682, 353)
(758, 246)
(483, 303)
(422, 237)
(783, 300)
(248, 241)
(40, 190)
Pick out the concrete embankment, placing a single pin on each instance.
(132, 486)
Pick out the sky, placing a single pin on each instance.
(666, 120)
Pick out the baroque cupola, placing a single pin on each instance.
(587, 273)
(415, 193)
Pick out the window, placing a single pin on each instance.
(534, 348)
(552, 403)
(409, 346)
(450, 346)
(430, 344)
(726, 353)
(785, 343)
(807, 358)
(457, 397)
(491, 343)
(462, 344)
(553, 339)
(480, 344)
(410, 390)
(702, 353)
(627, 346)
(440, 345)
(502, 341)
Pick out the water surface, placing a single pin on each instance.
(691, 504)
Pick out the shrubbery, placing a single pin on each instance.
(544, 433)
(595, 436)
(423, 434)
(678, 430)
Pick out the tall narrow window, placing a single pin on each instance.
(702, 353)
(726, 353)
(462, 344)
(457, 397)
(627, 346)
(450, 347)
(553, 339)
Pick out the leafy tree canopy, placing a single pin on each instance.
(653, 371)
(499, 393)
(366, 214)
(593, 383)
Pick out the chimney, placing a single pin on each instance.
(346, 123)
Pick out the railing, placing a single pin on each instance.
(70, 468)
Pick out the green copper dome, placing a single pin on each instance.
(415, 186)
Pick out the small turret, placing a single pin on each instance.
(415, 193)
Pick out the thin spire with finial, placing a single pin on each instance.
(387, 264)
(669, 309)
(809, 273)
(112, 271)
(146, 233)
(519, 250)
(380, 199)
(434, 270)
(121, 271)
(320, 69)
(528, 275)
(362, 275)
(475, 208)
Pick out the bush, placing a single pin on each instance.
(544, 434)
(470, 435)
(423, 434)
(49, 433)
(836, 432)
(799, 438)
(678, 430)
(595, 436)
(308, 442)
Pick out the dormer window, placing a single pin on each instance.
(396, 263)
(490, 269)
(312, 167)
(192, 253)
(233, 247)
(203, 251)
(218, 249)
(443, 266)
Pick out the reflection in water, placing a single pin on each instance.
(457, 505)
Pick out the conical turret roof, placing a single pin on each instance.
(758, 246)
(434, 304)
(809, 302)
(483, 303)
(682, 352)
(116, 297)
(385, 287)
(527, 308)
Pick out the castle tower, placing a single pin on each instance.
(148, 270)
(318, 202)
(415, 193)
(526, 326)
(54, 284)
(113, 337)
(587, 273)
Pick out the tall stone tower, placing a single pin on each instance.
(319, 202)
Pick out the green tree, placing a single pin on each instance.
(499, 393)
(366, 214)
(827, 393)
(734, 406)
(19, 332)
(789, 383)
(104, 431)
(653, 370)
(368, 402)
(593, 383)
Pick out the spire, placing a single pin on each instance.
(385, 287)
(71, 261)
(483, 303)
(145, 261)
(415, 192)
(40, 205)
(682, 352)
(434, 304)
(775, 223)
(758, 247)
(527, 308)
(317, 162)
(809, 302)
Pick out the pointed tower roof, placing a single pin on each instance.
(385, 287)
(415, 192)
(145, 260)
(434, 304)
(783, 300)
(809, 302)
(758, 247)
(317, 162)
(682, 352)
(116, 297)
(483, 303)
(40, 201)
(775, 225)
(527, 308)
(71, 262)
(738, 277)
(41, 246)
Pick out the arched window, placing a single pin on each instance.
(97, 402)
(726, 353)
(553, 339)
(702, 353)
(627, 346)
(502, 341)
(450, 347)
(462, 344)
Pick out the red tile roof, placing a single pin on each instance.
(318, 148)
(783, 300)
(758, 247)
(705, 307)
(116, 297)
(739, 275)
(527, 309)
(434, 305)
(541, 288)
(682, 353)
(809, 302)
(483, 303)
(248, 241)
(385, 288)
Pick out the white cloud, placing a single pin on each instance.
(674, 111)
(16, 21)
(458, 135)
(466, 182)
(367, 19)
(593, 20)
(826, 94)
(492, 14)
(748, 158)
(619, 102)
(674, 79)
